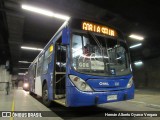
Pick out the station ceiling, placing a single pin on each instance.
(22, 28)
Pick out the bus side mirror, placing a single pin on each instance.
(65, 36)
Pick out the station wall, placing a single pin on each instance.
(147, 75)
(4, 77)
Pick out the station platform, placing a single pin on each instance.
(20, 100)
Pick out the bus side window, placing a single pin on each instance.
(39, 67)
(60, 56)
(47, 60)
(32, 71)
(35, 67)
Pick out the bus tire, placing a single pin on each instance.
(45, 99)
(31, 93)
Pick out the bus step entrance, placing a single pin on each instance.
(60, 84)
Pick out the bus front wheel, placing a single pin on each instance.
(46, 101)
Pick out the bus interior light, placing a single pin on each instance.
(44, 12)
(134, 36)
(131, 67)
(134, 46)
(118, 58)
(138, 63)
(21, 73)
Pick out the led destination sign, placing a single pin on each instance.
(98, 28)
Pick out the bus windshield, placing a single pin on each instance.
(99, 55)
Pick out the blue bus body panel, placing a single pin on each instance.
(48, 77)
(94, 80)
(108, 83)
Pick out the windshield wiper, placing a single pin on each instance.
(96, 40)
(102, 52)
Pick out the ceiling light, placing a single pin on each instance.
(136, 37)
(24, 62)
(44, 12)
(31, 48)
(138, 63)
(137, 45)
(61, 16)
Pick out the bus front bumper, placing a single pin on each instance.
(77, 98)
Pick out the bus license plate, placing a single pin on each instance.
(112, 97)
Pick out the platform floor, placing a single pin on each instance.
(20, 100)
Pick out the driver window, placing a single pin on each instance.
(76, 45)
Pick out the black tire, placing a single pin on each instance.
(31, 93)
(45, 99)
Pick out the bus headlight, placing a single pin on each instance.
(25, 85)
(80, 83)
(130, 82)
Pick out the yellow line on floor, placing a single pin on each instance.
(12, 118)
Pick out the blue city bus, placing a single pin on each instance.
(85, 63)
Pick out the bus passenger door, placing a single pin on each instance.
(60, 71)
